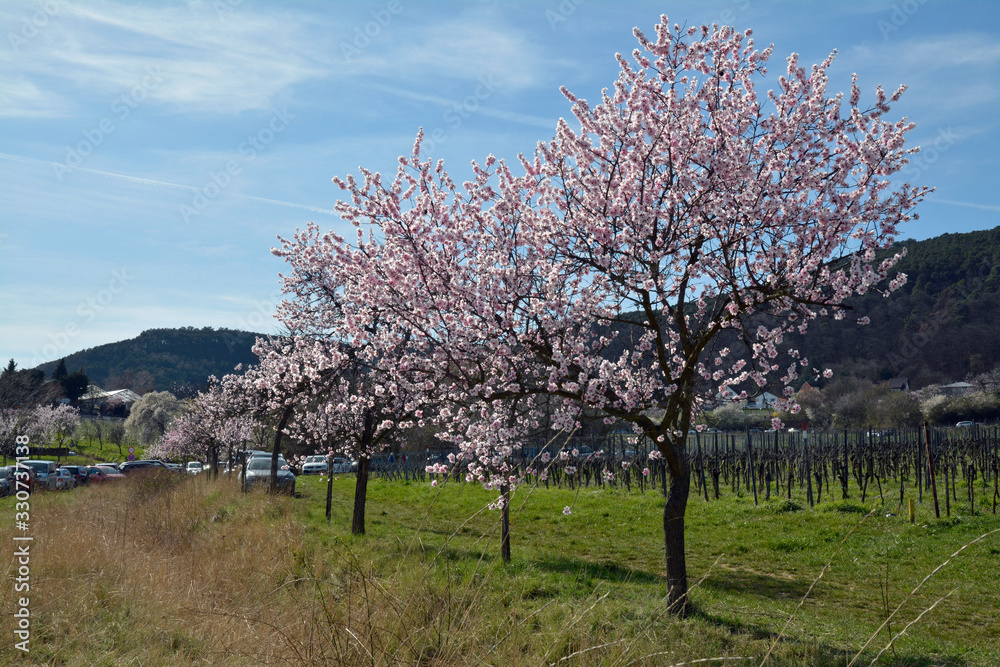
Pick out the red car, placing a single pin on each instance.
(104, 474)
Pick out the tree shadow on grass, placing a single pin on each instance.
(604, 571)
(821, 653)
(757, 583)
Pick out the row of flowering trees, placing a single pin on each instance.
(658, 249)
(43, 425)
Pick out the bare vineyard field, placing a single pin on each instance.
(801, 466)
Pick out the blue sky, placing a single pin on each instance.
(150, 152)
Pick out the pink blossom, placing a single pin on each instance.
(747, 211)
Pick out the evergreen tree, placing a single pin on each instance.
(75, 385)
(60, 370)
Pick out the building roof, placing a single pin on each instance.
(95, 393)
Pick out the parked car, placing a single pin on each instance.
(8, 484)
(80, 473)
(103, 473)
(11, 475)
(314, 465)
(65, 480)
(194, 467)
(282, 463)
(108, 465)
(964, 424)
(145, 466)
(45, 473)
(258, 475)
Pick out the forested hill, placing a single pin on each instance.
(180, 360)
(943, 324)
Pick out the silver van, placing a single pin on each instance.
(45, 471)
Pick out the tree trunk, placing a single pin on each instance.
(329, 486)
(276, 450)
(505, 524)
(673, 537)
(360, 497)
(361, 485)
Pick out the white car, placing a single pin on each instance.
(314, 465)
(194, 467)
(258, 474)
(65, 480)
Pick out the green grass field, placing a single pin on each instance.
(231, 579)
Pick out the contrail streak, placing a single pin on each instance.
(167, 184)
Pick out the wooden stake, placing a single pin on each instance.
(930, 470)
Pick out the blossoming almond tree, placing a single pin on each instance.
(687, 210)
(354, 392)
(208, 428)
(56, 423)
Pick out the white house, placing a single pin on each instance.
(760, 402)
(97, 399)
(763, 401)
(957, 388)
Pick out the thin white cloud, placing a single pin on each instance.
(469, 105)
(961, 58)
(952, 202)
(20, 97)
(251, 57)
(203, 62)
(168, 184)
(461, 48)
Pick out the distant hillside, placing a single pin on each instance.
(943, 324)
(180, 360)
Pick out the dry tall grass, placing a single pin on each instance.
(168, 571)
(175, 571)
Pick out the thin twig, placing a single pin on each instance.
(245, 619)
(359, 642)
(585, 650)
(699, 660)
(914, 591)
(815, 581)
(900, 633)
(582, 614)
